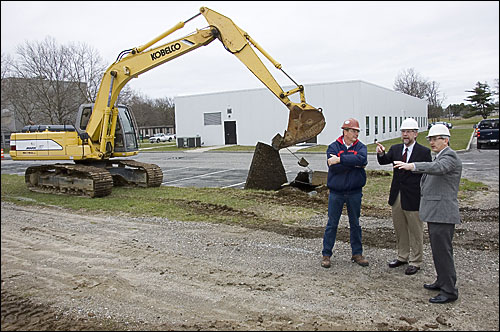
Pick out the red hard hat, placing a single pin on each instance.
(350, 123)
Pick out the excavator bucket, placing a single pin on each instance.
(303, 124)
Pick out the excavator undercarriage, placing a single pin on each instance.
(69, 179)
(92, 181)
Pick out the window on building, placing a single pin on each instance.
(390, 124)
(395, 123)
(376, 125)
(212, 119)
(367, 126)
(383, 125)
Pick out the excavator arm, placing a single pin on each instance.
(305, 121)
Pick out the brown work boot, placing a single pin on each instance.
(359, 259)
(326, 262)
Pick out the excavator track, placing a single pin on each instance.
(135, 173)
(69, 179)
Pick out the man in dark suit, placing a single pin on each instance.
(404, 197)
(439, 208)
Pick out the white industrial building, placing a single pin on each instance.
(247, 117)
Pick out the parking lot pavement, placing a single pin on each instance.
(230, 169)
(209, 177)
(212, 178)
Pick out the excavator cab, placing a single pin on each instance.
(125, 134)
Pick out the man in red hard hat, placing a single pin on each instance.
(346, 159)
(351, 123)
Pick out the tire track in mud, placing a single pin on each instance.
(21, 314)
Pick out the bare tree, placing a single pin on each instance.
(45, 72)
(15, 94)
(142, 109)
(6, 65)
(126, 95)
(53, 80)
(150, 112)
(48, 82)
(165, 106)
(411, 83)
(6, 72)
(435, 101)
(86, 66)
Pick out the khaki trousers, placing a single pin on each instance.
(409, 231)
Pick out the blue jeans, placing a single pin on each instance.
(335, 205)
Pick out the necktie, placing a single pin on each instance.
(404, 155)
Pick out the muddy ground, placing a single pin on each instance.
(74, 271)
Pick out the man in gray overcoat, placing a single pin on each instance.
(439, 208)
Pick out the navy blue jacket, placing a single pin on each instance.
(349, 175)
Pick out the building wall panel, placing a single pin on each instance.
(259, 115)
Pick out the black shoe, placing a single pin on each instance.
(441, 299)
(432, 286)
(411, 269)
(396, 263)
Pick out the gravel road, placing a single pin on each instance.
(74, 271)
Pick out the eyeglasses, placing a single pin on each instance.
(353, 130)
(433, 139)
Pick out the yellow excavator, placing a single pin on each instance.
(105, 130)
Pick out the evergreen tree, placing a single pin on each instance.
(481, 99)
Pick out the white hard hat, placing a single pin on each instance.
(439, 130)
(409, 124)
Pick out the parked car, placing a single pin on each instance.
(161, 137)
(447, 124)
(487, 133)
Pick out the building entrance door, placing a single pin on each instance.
(230, 132)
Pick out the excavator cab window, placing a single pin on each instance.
(84, 118)
(125, 134)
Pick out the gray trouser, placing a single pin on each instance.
(441, 237)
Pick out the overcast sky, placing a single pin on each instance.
(455, 43)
